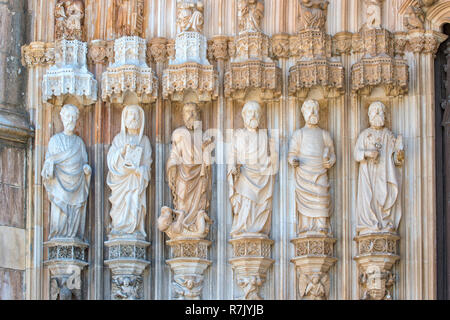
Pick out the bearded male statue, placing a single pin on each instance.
(311, 153)
(189, 175)
(380, 156)
(129, 163)
(66, 177)
(253, 164)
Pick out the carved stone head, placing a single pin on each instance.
(191, 115)
(251, 113)
(69, 116)
(310, 110)
(376, 114)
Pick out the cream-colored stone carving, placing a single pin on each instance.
(66, 177)
(127, 261)
(38, 53)
(157, 50)
(250, 15)
(66, 260)
(129, 17)
(189, 177)
(190, 15)
(342, 43)
(253, 165)
(129, 163)
(313, 14)
(427, 42)
(280, 46)
(380, 155)
(251, 261)
(220, 47)
(312, 154)
(69, 75)
(129, 72)
(373, 13)
(189, 260)
(69, 15)
(100, 51)
(414, 18)
(376, 255)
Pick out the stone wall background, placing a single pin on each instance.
(14, 136)
(345, 117)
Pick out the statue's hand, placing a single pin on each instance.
(399, 157)
(373, 154)
(295, 163)
(87, 170)
(327, 163)
(234, 170)
(48, 170)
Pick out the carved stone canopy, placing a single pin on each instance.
(69, 75)
(202, 80)
(129, 73)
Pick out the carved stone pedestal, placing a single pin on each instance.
(127, 259)
(69, 75)
(251, 261)
(66, 260)
(313, 259)
(190, 47)
(377, 253)
(129, 73)
(189, 260)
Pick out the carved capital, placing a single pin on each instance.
(342, 43)
(280, 46)
(98, 52)
(38, 53)
(219, 46)
(426, 42)
(171, 49)
(157, 50)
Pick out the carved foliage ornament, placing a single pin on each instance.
(69, 15)
(38, 53)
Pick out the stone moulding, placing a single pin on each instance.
(201, 79)
(251, 46)
(127, 261)
(385, 71)
(376, 255)
(313, 259)
(129, 73)
(314, 44)
(189, 260)
(69, 75)
(190, 47)
(242, 76)
(325, 74)
(251, 261)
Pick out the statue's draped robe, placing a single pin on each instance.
(190, 183)
(68, 190)
(312, 190)
(128, 187)
(251, 193)
(377, 205)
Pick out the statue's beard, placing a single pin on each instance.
(133, 124)
(252, 123)
(190, 123)
(69, 127)
(313, 120)
(377, 121)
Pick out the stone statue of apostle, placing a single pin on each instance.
(129, 163)
(66, 176)
(189, 177)
(379, 155)
(311, 153)
(251, 174)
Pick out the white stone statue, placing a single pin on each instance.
(189, 177)
(190, 16)
(250, 15)
(311, 153)
(129, 163)
(373, 14)
(379, 154)
(66, 177)
(253, 164)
